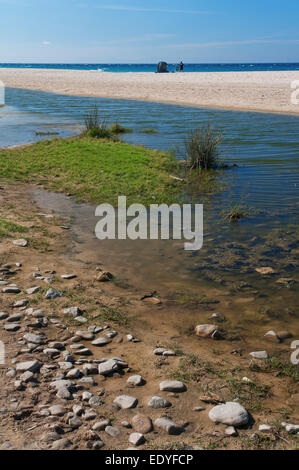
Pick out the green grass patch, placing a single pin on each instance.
(95, 170)
(8, 228)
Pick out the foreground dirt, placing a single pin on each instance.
(211, 370)
(256, 91)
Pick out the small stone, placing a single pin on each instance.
(125, 402)
(272, 336)
(265, 428)
(86, 396)
(135, 380)
(158, 402)
(231, 413)
(136, 439)
(205, 331)
(101, 342)
(292, 428)
(108, 367)
(283, 335)
(21, 242)
(15, 317)
(68, 276)
(73, 311)
(52, 294)
(32, 338)
(231, 431)
(259, 355)
(3, 315)
(169, 426)
(75, 422)
(95, 401)
(112, 431)
(21, 303)
(26, 377)
(172, 386)
(142, 424)
(11, 290)
(57, 410)
(74, 374)
(32, 290)
(101, 425)
(31, 366)
(81, 319)
(87, 335)
(61, 444)
(12, 327)
(159, 351)
(266, 271)
(105, 277)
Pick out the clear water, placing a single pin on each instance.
(265, 146)
(247, 67)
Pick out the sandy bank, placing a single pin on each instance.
(261, 91)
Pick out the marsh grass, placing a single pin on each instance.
(202, 148)
(8, 228)
(95, 127)
(117, 128)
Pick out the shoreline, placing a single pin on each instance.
(267, 92)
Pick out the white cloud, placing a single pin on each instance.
(157, 10)
(46, 43)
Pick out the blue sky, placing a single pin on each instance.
(149, 30)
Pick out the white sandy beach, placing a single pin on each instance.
(259, 91)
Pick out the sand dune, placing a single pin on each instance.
(260, 91)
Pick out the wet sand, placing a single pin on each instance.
(256, 91)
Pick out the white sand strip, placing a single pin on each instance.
(257, 91)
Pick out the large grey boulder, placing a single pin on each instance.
(162, 67)
(231, 413)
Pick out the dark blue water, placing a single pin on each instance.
(246, 67)
(265, 146)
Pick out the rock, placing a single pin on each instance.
(21, 242)
(26, 377)
(259, 355)
(15, 317)
(199, 408)
(12, 327)
(78, 410)
(101, 342)
(266, 271)
(101, 425)
(172, 386)
(231, 431)
(57, 410)
(90, 369)
(32, 338)
(283, 335)
(61, 444)
(169, 426)
(95, 401)
(81, 319)
(75, 422)
(31, 366)
(158, 402)
(86, 396)
(169, 353)
(136, 439)
(247, 380)
(3, 315)
(52, 294)
(159, 351)
(68, 276)
(112, 431)
(87, 335)
(286, 282)
(205, 331)
(11, 290)
(292, 428)
(125, 402)
(105, 277)
(32, 290)
(20, 303)
(135, 380)
(108, 367)
(63, 388)
(231, 413)
(272, 337)
(73, 311)
(265, 428)
(74, 374)
(142, 424)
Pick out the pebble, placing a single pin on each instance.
(136, 438)
(101, 342)
(12, 327)
(52, 294)
(21, 242)
(135, 380)
(3, 315)
(142, 424)
(158, 402)
(101, 425)
(112, 431)
(32, 338)
(61, 444)
(26, 377)
(57, 410)
(75, 422)
(231, 431)
(32, 290)
(31, 366)
(87, 335)
(169, 426)
(15, 317)
(205, 331)
(231, 413)
(73, 311)
(265, 428)
(108, 367)
(125, 402)
(172, 386)
(11, 290)
(259, 355)
(68, 276)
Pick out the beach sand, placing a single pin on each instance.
(256, 91)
